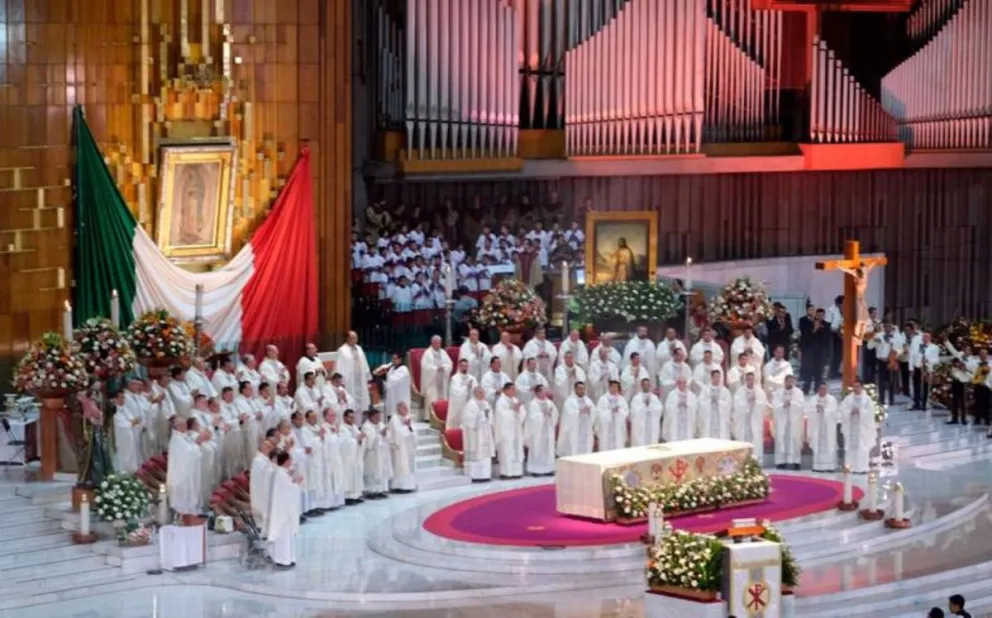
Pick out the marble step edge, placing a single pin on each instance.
(135, 562)
(42, 556)
(78, 586)
(49, 574)
(45, 492)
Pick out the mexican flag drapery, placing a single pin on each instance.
(266, 294)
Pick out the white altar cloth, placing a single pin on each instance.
(182, 546)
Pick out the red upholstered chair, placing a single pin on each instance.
(439, 414)
(413, 360)
(452, 446)
(160, 461)
(453, 354)
(242, 480)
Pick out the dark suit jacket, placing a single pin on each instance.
(780, 335)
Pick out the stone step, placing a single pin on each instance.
(45, 589)
(45, 493)
(132, 560)
(34, 528)
(34, 542)
(42, 556)
(426, 450)
(52, 570)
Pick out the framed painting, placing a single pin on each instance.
(621, 246)
(196, 202)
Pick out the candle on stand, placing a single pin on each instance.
(84, 515)
(67, 322)
(848, 487)
(897, 500)
(163, 506)
(564, 279)
(198, 306)
(872, 493)
(688, 273)
(115, 308)
(449, 281)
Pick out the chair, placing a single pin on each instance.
(452, 446)
(20, 446)
(438, 415)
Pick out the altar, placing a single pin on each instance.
(582, 481)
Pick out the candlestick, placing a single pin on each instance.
(872, 492)
(84, 515)
(67, 322)
(898, 507)
(688, 273)
(198, 306)
(115, 308)
(449, 281)
(163, 506)
(564, 279)
(848, 486)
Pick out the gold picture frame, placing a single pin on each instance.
(639, 232)
(196, 202)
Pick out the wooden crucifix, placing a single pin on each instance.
(855, 269)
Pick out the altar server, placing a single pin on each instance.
(184, 469)
(314, 474)
(476, 353)
(479, 435)
(822, 420)
(575, 345)
(567, 374)
(510, 416)
(311, 363)
(509, 355)
(857, 417)
(645, 349)
(776, 372)
(460, 391)
(714, 412)
(606, 343)
(748, 342)
(435, 372)
(680, 412)
(354, 369)
(706, 344)
(672, 371)
(128, 430)
(631, 376)
(284, 513)
(494, 380)
(377, 469)
(667, 347)
(528, 380)
(645, 415)
(610, 424)
(748, 415)
(788, 406)
(333, 465)
(702, 373)
(737, 373)
(397, 385)
(260, 483)
(224, 375)
(601, 372)
(402, 438)
(545, 353)
(352, 459)
(539, 433)
(575, 436)
(272, 369)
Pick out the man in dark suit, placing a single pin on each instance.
(955, 604)
(780, 329)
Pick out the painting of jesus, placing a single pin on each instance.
(620, 247)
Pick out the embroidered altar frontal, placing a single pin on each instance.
(582, 481)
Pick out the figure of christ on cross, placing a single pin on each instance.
(855, 269)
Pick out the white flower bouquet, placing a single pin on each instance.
(104, 348)
(121, 498)
(627, 301)
(51, 365)
(686, 560)
(741, 301)
(155, 336)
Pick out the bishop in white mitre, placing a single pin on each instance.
(707, 343)
(435, 372)
(601, 372)
(788, 408)
(544, 351)
(747, 341)
(736, 375)
(667, 347)
(776, 371)
(606, 343)
(397, 385)
(354, 368)
(680, 413)
(128, 430)
(476, 353)
(402, 436)
(645, 416)
(459, 393)
(645, 349)
(575, 435)
(631, 376)
(748, 415)
(479, 436)
(509, 355)
(510, 417)
(284, 513)
(260, 483)
(272, 369)
(567, 373)
(714, 411)
(610, 423)
(333, 467)
(672, 371)
(822, 420)
(702, 373)
(378, 465)
(310, 363)
(528, 380)
(574, 344)
(539, 433)
(857, 418)
(183, 473)
(494, 380)
(352, 459)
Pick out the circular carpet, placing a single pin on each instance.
(528, 517)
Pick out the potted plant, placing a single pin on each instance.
(159, 340)
(623, 306)
(511, 306)
(686, 565)
(121, 500)
(740, 303)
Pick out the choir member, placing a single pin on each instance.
(510, 357)
(747, 341)
(311, 363)
(333, 467)
(776, 372)
(888, 346)
(397, 385)
(272, 369)
(680, 412)
(544, 351)
(672, 371)
(814, 343)
(476, 353)
(702, 373)
(737, 373)
(667, 347)
(479, 435)
(260, 483)
(460, 391)
(779, 328)
(857, 417)
(539, 433)
(528, 379)
(377, 469)
(352, 459)
(632, 374)
(402, 437)
(575, 436)
(645, 415)
(706, 344)
(923, 358)
(602, 371)
(354, 369)
(128, 430)
(748, 415)
(184, 467)
(960, 379)
(610, 423)
(510, 416)
(822, 420)
(788, 407)
(577, 347)
(284, 513)
(645, 349)
(567, 374)
(715, 407)
(435, 371)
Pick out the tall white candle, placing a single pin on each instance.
(163, 506)
(688, 273)
(449, 282)
(67, 322)
(898, 506)
(872, 493)
(84, 516)
(564, 279)
(848, 487)
(198, 307)
(115, 308)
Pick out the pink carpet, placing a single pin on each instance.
(528, 517)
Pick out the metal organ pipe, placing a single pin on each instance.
(388, 84)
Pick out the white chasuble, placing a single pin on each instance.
(314, 477)
(284, 517)
(788, 406)
(510, 358)
(748, 418)
(539, 436)
(821, 413)
(315, 366)
(222, 379)
(600, 375)
(565, 379)
(857, 417)
(525, 384)
(459, 394)
(575, 436)
(354, 368)
(680, 416)
(580, 354)
(397, 388)
(752, 345)
(479, 439)
(333, 468)
(713, 414)
(181, 394)
(402, 438)
(665, 351)
(670, 373)
(645, 349)
(510, 416)
(477, 355)
(545, 353)
(493, 384)
(645, 419)
(736, 375)
(630, 380)
(274, 372)
(610, 424)
(127, 439)
(309, 398)
(701, 347)
(259, 488)
(435, 373)
(353, 462)
(775, 373)
(378, 468)
(183, 474)
(702, 376)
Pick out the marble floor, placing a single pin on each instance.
(377, 561)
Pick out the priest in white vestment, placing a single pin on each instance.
(211, 425)
(272, 369)
(857, 417)
(479, 436)
(510, 417)
(575, 435)
(181, 393)
(136, 400)
(354, 369)
(702, 373)
(544, 352)
(337, 397)
(435, 373)
(707, 343)
(641, 345)
(224, 375)
(308, 395)
(260, 483)
(314, 475)
(672, 371)
(378, 465)
(776, 371)
(528, 380)
(128, 430)
(165, 409)
(352, 459)
(601, 372)
(788, 408)
(747, 341)
(606, 343)
(509, 355)
(632, 374)
(252, 417)
(267, 402)
(539, 433)
(459, 393)
(646, 410)
(610, 424)
(284, 513)
(737, 373)
(196, 375)
(574, 344)
(667, 347)
(285, 405)
(494, 380)
(476, 353)
(567, 373)
(822, 420)
(402, 436)
(247, 371)
(397, 385)
(748, 415)
(681, 407)
(714, 411)
(310, 363)
(333, 467)
(183, 470)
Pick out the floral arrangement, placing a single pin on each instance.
(121, 498)
(511, 304)
(881, 413)
(790, 568)
(686, 560)
(158, 335)
(959, 334)
(629, 301)
(741, 301)
(50, 364)
(748, 483)
(104, 348)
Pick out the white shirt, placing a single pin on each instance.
(834, 316)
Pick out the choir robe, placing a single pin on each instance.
(610, 423)
(702, 375)
(314, 475)
(127, 439)
(580, 354)
(435, 372)
(352, 461)
(252, 429)
(354, 368)
(645, 348)
(713, 412)
(183, 474)
(821, 413)
(313, 365)
(181, 395)
(700, 348)
(645, 419)
(284, 517)
(575, 435)
(333, 468)
(308, 398)
(260, 488)
(141, 408)
(222, 380)
(680, 416)
(377, 468)
(198, 381)
(526, 382)
(539, 436)
(244, 373)
(397, 388)
(232, 454)
(630, 380)
(748, 418)
(510, 417)
(273, 371)
(735, 377)
(600, 376)
(459, 394)
(775, 373)
(402, 437)
(545, 353)
(163, 411)
(477, 355)
(670, 374)
(757, 351)
(493, 383)
(614, 356)
(665, 351)
(788, 406)
(510, 358)
(479, 439)
(565, 379)
(857, 417)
